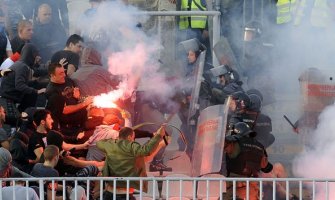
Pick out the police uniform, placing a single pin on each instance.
(258, 122)
(232, 84)
(247, 159)
(190, 27)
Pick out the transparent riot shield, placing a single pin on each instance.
(182, 50)
(209, 141)
(317, 91)
(225, 54)
(194, 104)
(187, 45)
(184, 47)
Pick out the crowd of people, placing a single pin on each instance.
(68, 124)
(51, 79)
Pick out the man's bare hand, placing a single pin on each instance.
(63, 62)
(40, 91)
(161, 130)
(125, 114)
(167, 140)
(64, 153)
(88, 100)
(5, 72)
(81, 135)
(296, 130)
(37, 60)
(86, 145)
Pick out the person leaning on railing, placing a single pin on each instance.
(126, 158)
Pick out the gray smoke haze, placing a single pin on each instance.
(297, 48)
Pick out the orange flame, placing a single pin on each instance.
(106, 100)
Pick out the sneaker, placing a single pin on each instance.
(156, 167)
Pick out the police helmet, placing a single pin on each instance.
(242, 100)
(233, 76)
(220, 70)
(225, 71)
(256, 92)
(313, 75)
(256, 103)
(253, 27)
(242, 129)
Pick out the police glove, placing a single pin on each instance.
(232, 138)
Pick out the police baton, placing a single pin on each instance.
(289, 121)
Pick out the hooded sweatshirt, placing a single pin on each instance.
(5, 162)
(15, 85)
(92, 78)
(5, 159)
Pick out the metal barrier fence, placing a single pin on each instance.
(214, 18)
(187, 187)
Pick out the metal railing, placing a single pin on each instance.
(165, 187)
(215, 17)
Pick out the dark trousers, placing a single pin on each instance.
(28, 100)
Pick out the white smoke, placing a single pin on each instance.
(297, 50)
(129, 52)
(296, 47)
(318, 158)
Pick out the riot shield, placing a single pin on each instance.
(209, 141)
(225, 55)
(194, 104)
(187, 45)
(184, 47)
(317, 91)
(182, 50)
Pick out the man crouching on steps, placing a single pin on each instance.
(126, 158)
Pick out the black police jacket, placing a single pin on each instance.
(248, 162)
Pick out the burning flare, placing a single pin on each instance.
(107, 100)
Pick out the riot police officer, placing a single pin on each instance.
(247, 108)
(238, 106)
(263, 123)
(228, 81)
(245, 157)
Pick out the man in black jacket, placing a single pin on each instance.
(68, 111)
(15, 85)
(49, 36)
(60, 11)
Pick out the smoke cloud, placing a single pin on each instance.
(288, 50)
(292, 50)
(298, 47)
(130, 53)
(318, 158)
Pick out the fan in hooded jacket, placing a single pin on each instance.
(15, 85)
